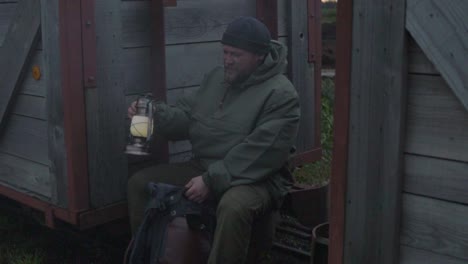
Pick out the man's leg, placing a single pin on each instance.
(236, 212)
(138, 195)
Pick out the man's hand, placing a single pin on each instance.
(132, 110)
(197, 191)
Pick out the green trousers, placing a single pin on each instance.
(245, 219)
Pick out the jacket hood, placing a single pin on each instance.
(275, 63)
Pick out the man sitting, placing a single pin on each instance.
(242, 122)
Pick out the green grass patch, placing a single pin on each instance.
(328, 15)
(318, 173)
(16, 245)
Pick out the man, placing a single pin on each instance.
(242, 123)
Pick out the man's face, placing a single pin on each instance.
(239, 64)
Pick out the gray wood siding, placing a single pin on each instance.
(435, 204)
(193, 31)
(411, 255)
(436, 178)
(436, 120)
(376, 122)
(52, 81)
(24, 162)
(434, 225)
(7, 11)
(106, 110)
(190, 21)
(440, 28)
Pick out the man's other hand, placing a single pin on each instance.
(197, 190)
(132, 110)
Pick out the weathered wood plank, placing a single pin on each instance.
(19, 42)
(29, 85)
(25, 175)
(440, 28)
(106, 111)
(417, 256)
(190, 72)
(137, 74)
(442, 179)
(31, 106)
(434, 225)
(191, 21)
(52, 80)
(436, 120)
(302, 74)
(7, 11)
(26, 138)
(377, 107)
(418, 61)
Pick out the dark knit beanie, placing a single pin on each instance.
(249, 34)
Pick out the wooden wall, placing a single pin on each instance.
(24, 159)
(435, 196)
(193, 30)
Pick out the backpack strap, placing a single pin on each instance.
(167, 202)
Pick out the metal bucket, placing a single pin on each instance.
(319, 247)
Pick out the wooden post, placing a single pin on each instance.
(344, 25)
(53, 82)
(301, 75)
(378, 76)
(160, 148)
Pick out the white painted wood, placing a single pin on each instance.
(436, 120)
(436, 178)
(434, 225)
(441, 30)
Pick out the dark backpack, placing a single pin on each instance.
(173, 230)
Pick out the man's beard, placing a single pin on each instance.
(232, 76)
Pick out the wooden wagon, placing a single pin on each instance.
(70, 68)
(399, 189)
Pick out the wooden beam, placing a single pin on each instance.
(54, 107)
(267, 12)
(74, 119)
(20, 40)
(440, 29)
(106, 111)
(301, 74)
(340, 131)
(159, 147)
(373, 194)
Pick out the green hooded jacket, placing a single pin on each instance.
(242, 134)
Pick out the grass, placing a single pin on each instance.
(318, 173)
(16, 245)
(328, 15)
